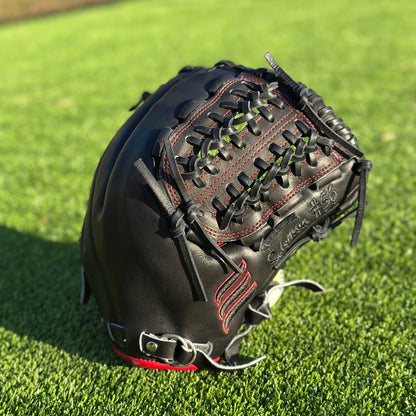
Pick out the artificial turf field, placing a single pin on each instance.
(66, 82)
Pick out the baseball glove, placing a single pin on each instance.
(206, 191)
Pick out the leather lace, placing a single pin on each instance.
(245, 112)
(252, 103)
(215, 141)
(287, 160)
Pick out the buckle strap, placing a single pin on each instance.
(178, 351)
(181, 352)
(169, 348)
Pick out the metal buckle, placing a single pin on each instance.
(151, 348)
(186, 344)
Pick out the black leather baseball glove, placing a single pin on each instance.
(210, 186)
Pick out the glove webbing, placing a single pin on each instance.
(345, 143)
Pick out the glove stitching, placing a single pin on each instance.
(242, 157)
(280, 203)
(177, 134)
(254, 150)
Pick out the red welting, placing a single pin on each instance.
(153, 365)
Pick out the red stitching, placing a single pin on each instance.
(236, 303)
(220, 300)
(242, 281)
(192, 185)
(173, 195)
(258, 170)
(278, 204)
(178, 132)
(244, 277)
(245, 158)
(216, 161)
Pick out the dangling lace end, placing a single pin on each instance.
(178, 234)
(191, 208)
(212, 246)
(364, 168)
(280, 73)
(231, 366)
(178, 231)
(257, 313)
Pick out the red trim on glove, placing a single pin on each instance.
(153, 365)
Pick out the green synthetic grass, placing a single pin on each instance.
(66, 84)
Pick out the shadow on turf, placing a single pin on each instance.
(39, 296)
(40, 284)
